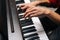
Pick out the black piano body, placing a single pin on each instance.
(3, 21)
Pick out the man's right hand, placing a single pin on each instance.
(29, 5)
(32, 4)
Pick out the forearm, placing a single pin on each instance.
(36, 2)
(54, 17)
(43, 0)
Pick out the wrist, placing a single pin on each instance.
(50, 13)
(39, 2)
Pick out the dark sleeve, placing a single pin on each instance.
(58, 11)
(55, 2)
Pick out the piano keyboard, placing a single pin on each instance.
(32, 29)
(24, 29)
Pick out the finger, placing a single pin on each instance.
(28, 10)
(25, 7)
(25, 12)
(33, 15)
(22, 5)
(33, 12)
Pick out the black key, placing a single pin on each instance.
(26, 22)
(20, 10)
(19, 2)
(31, 35)
(28, 31)
(21, 16)
(28, 28)
(34, 38)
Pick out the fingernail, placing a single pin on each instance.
(31, 15)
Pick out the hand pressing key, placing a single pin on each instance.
(29, 5)
(36, 11)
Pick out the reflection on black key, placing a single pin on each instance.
(28, 31)
(31, 35)
(34, 38)
(26, 22)
(28, 28)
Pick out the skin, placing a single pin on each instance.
(32, 10)
(28, 5)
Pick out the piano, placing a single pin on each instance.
(20, 28)
(14, 27)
